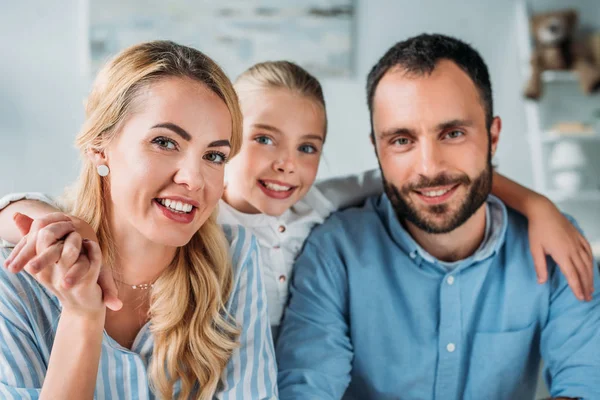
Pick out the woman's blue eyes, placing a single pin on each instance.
(215, 157)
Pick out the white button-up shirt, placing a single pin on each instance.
(281, 238)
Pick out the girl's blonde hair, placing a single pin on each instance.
(281, 74)
(193, 335)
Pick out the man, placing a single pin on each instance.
(429, 291)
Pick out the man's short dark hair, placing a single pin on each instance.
(420, 54)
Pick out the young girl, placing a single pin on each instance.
(160, 123)
(270, 184)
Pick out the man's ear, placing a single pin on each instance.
(495, 133)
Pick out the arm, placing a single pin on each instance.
(314, 350)
(75, 357)
(33, 204)
(251, 372)
(352, 190)
(570, 342)
(550, 233)
(75, 348)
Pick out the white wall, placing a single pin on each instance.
(43, 83)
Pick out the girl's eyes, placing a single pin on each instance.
(165, 143)
(305, 148)
(263, 140)
(216, 157)
(308, 149)
(454, 134)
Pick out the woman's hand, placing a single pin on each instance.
(43, 246)
(551, 233)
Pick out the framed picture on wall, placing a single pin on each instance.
(316, 34)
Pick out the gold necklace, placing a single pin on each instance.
(141, 286)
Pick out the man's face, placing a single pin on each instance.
(433, 146)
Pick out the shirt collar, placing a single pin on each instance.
(495, 232)
(230, 215)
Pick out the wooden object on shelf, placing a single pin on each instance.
(572, 128)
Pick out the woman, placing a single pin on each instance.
(161, 121)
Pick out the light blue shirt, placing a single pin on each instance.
(29, 317)
(373, 316)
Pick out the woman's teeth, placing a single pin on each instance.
(177, 206)
(275, 187)
(435, 193)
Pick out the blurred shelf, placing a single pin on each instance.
(559, 76)
(553, 136)
(581, 196)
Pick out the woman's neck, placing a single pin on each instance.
(137, 259)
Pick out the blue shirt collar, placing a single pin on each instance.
(496, 226)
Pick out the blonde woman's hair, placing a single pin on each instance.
(281, 74)
(193, 335)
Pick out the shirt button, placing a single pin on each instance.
(450, 280)
(281, 228)
(451, 347)
(282, 278)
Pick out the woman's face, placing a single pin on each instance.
(167, 162)
(278, 162)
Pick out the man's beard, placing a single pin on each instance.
(479, 189)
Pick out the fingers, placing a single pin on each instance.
(586, 273)
(70, 253)
(92, 249)
(42, 222)
(49, 234)
(47, 258)
(77, 271)
(15, 252)
(539, 261)
(570, 271)
(110, 292)
(24, 254)
(23, 223)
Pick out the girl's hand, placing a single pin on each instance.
(551, 233)
(42, 247)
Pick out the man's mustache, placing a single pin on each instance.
(425, 182)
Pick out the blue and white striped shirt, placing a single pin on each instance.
(29, 316)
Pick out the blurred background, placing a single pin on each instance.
(51, 50)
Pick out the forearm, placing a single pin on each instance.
(516, 196)
(75, 356)
(32, 208)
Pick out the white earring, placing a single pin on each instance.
(103, 170)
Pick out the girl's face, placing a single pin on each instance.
(167, 162)
(279, 159)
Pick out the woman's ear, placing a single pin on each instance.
(97, 157)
